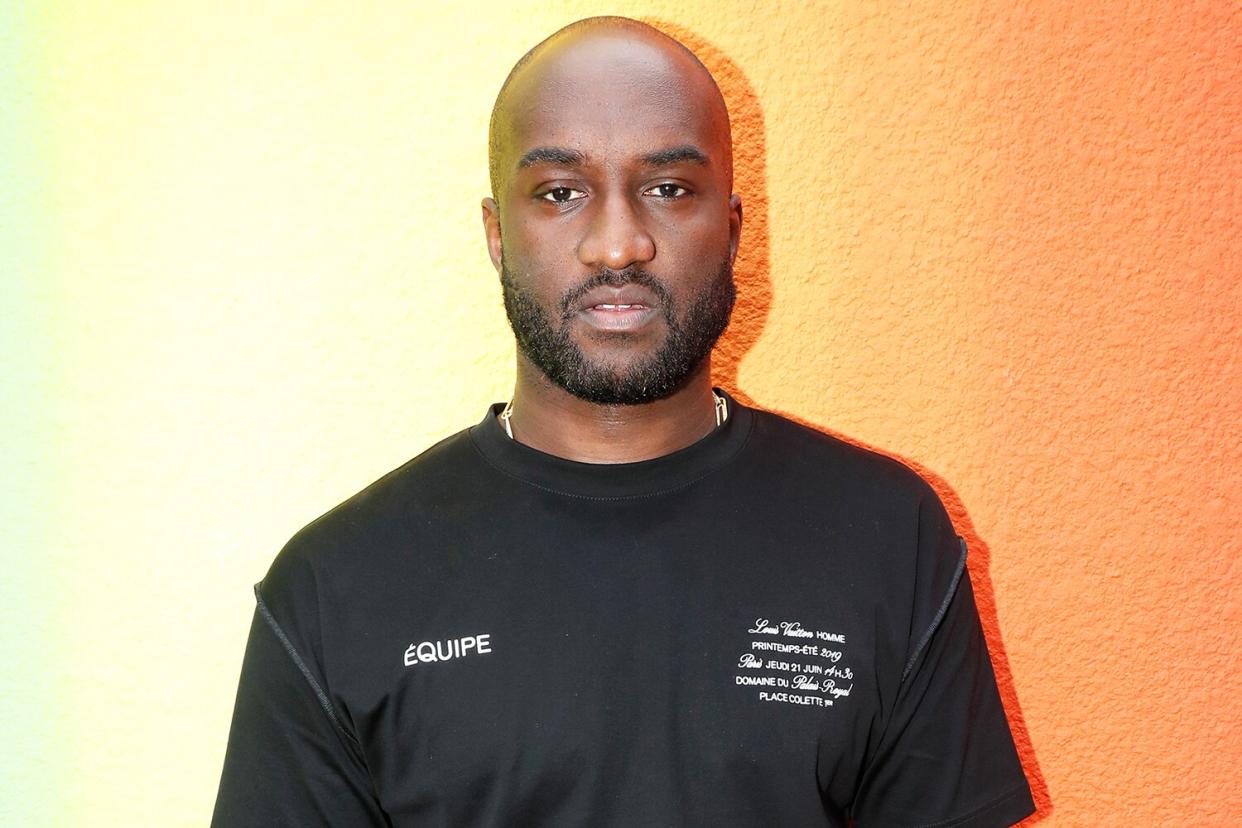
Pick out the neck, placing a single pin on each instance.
(550, 419)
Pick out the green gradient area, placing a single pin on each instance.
(31, 761)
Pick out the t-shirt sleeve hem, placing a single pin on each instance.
(1009, 809)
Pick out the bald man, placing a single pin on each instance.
(622, 597)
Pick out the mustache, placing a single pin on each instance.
(607, 277)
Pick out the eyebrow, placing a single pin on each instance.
(676, 155)
(551, 155)
(572, 158)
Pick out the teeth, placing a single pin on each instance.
(617, 307)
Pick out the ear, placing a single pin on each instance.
(491, 230)
(735, 225)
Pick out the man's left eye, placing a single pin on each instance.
(667, 190)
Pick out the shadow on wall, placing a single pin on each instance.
(752, 273)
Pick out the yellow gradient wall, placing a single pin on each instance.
(244, 276)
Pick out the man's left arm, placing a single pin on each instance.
(946, 757)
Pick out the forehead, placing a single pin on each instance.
(613, 98)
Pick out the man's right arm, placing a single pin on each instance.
(289, 761)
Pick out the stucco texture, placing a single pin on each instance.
(245, 277)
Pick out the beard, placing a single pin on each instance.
(654, 376)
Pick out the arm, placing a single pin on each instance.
(290, 760)
(945, 757)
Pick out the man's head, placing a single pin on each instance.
(612, 221)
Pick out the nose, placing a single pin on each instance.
(615, 236)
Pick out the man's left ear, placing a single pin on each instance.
(735, 224)
(491, 230)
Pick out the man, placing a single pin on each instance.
(622, 598)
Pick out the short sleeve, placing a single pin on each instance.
(289, 761)
(946, 756)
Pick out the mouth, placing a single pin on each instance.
(605, 306)
(617, 317)
(623, 309)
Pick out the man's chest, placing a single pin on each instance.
(581, 675)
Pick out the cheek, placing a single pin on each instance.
(694, 251)
(700, 235)
(540, 280)
(537, 257)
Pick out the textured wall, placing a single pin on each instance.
(245, 276)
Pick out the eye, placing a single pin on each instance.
(668, 190)
(562, 195)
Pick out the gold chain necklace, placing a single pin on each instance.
(722, 412)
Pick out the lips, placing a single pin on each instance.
(604, 306)
(617, 299)
(618, 318)
(618, 310)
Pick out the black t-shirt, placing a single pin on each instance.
(770, 627)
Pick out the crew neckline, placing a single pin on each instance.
(613, 481)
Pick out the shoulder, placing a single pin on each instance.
(903, 551)
(371, 523)
(871, 509)
(810, 455)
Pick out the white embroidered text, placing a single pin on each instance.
(820, 676)
(429, 652)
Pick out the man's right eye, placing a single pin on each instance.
(561, 195)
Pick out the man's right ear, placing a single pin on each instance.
(491, 230)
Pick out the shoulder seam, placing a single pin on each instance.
(944, 607)
(320, 695)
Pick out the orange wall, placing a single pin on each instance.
(998, 242)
